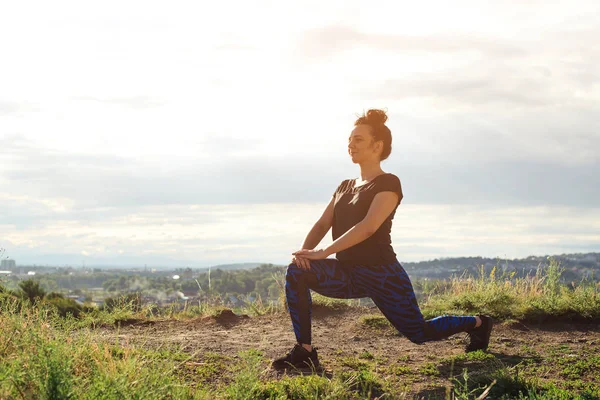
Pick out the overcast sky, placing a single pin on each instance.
(199, 133)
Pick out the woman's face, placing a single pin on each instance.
(362, 146)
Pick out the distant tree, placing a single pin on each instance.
(189, 286)
(123, 283)
(248, 284)
(110, 285)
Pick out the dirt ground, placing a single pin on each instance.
(341, 337)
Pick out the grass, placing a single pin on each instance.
(320, 301)
(41, 358)
(536, 298)
(376, 321)
(248, 383)
(44, 355)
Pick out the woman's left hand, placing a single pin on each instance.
(311, 254)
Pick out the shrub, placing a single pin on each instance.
(32, 290)
(131, 301)
(63, 306)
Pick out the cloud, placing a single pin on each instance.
(490, 89)
(8, 107)
(15, 107)
(487, 83)
(139, 102)
(328, 41)
(79, 185)
(234, 47)
(557, 136)
(503, 183)
(269, 232)
(490, 106)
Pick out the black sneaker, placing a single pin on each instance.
(480, 337)
(298, 358)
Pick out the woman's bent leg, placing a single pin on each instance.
(327, 277)
(391, 290)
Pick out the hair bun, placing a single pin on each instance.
(376, 117)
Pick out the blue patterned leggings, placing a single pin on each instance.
(388, 286)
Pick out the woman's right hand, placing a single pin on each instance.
(302, 263)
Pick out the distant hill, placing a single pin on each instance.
(233, 267)
(576, 265)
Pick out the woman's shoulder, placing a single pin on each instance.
(346, 183)
(389, 181)
(346, 186)
(388, 177)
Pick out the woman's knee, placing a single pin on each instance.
(292, 269)
(417, 338)
(298, 276)
(293, 272)
(420, 334)
(426, 334)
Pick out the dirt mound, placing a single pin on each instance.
(225, 318)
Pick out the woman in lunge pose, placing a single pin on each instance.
(360, 213)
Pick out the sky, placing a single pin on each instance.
(197, 133)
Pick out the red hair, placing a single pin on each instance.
(376, 120)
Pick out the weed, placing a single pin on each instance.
(400, 370)
(429, 369)
(375, 321)
(355, 363)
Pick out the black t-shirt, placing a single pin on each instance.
(351, 205)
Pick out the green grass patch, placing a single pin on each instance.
(331, 303)
(534, 298)
(42, 359)
(249, 384)
(375, 321)
(429, 369)
(355, 363)
(400, 370)
(506, 383)
(212, 368)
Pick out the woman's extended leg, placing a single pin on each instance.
(391, 290)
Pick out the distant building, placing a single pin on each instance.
(8, 263)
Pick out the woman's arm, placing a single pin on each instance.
(316, 234)
(382, 206)
(320, 229)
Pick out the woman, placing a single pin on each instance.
(360, 213)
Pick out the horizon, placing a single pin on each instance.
(192, 266)
(135, 132)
